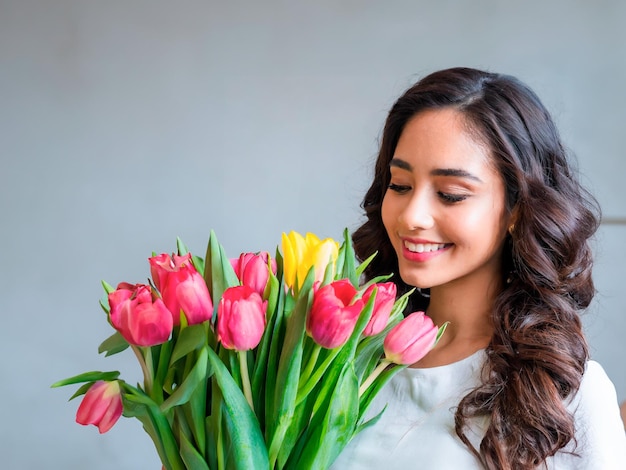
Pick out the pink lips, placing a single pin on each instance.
(425, 255)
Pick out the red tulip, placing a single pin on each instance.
(181, 287)
(252, 270)
(142, 319)
(101, 406)
(411, 339)
(333, 316)
(240, 318)
(383, 304)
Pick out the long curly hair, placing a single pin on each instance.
(538, 352)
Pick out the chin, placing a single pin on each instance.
(412, 280)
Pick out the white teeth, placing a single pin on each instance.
(423, 247)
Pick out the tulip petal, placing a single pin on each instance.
(101, 406)
(410, 339)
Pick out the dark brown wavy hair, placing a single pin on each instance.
(538, 352)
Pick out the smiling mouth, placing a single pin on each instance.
(424, 247)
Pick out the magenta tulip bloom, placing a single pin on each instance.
(333, 316)
(383, 304)
(240, 318)
(410, 340)
(182, 288)
(101, 405)
(142, 319)
(253, 270)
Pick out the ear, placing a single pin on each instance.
(512, 220)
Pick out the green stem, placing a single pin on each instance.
(375, 373)
(146, 369)
(245, 377)
(305, 388)
(220, 446)
(306, 373)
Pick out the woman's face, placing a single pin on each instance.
(444, 209)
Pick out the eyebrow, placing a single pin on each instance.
(404, 165)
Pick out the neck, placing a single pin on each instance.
(467, 307)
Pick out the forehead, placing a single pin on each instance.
(443, 137)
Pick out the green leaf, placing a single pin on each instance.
(181, 247)
(82, 390)
(259, 370)
(349, 268)
(289, 366)
(333, 431)
(242, 426)
(372, 391)
(92, 376)
(363, 266)
(197, 412)
(183, 392)
(190, 455)
(108, 288)
(441, 331)
(113, 344)
(218, 272)
(190, 339)
(276, 330)
(139, 405)
(369, 422)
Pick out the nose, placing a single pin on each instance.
(417, 214)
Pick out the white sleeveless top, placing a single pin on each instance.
(416, 430)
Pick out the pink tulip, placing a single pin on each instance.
(182, 288)
(141, 319)
(101, 406)
(333, 316)
(383, 304)
(252, 270)
(240, 318)
(411, 339)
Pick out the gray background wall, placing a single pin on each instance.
(124, 124)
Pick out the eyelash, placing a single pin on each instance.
(400, 189)
(445, 197)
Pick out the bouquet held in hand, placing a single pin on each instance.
(253, 362)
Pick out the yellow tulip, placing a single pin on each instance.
(300, 253)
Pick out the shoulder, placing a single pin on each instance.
(595, 384)
(599, 429)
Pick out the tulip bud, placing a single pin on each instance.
(301, 253)
(240, 318)
(182, 288)
(410, 340)
(101, 405)
(141, 319)
(332, 317)
(383, 304)
(252, 270)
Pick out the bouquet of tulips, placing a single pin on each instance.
(253, 362)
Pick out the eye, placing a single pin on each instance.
(399, 188)
(452, 198)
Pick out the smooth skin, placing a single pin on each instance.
(444, 212)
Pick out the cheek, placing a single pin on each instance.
(486, 227)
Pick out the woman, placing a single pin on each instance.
(474, 203)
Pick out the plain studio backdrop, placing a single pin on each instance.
(124, 124)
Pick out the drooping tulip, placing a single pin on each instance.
(182, 288)
(253, 270)
(383, 304)
(240, 318)
(333, 315)
(300, 253)
(141, 318)
(101, 405)
(410, 339)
